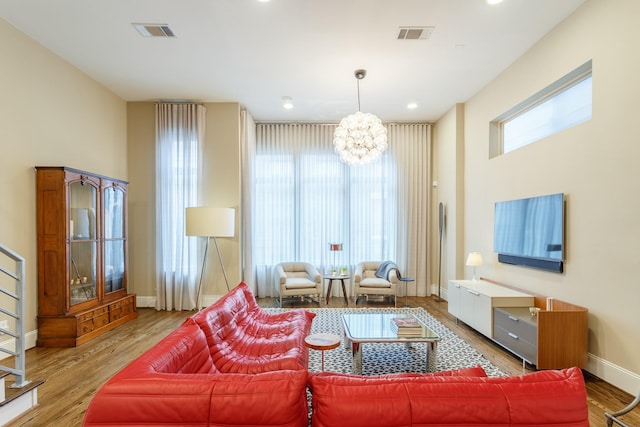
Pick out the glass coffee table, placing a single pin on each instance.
(377, 328)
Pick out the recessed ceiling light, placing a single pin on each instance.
(287, 102)
(494, 2)
(412, 106)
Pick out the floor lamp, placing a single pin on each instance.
(210, 223)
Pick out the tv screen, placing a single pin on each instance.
(530, 232)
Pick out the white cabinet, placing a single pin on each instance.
(453, 297)
(472, 301)
(475, 307)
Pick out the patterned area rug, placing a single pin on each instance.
(453, 352)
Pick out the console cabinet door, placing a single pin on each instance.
(453, 295)
(483, 314)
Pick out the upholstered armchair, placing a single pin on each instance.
(298, 279)
(365, 281)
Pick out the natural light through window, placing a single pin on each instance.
(563, 104)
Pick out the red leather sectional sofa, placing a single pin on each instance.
(233, 364)
(460, 398)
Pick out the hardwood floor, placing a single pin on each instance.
(73, 375)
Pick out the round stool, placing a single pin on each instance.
(322, 342)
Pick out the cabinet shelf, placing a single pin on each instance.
(82, 256)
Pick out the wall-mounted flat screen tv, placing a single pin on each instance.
(530, 232)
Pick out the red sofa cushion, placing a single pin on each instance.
(267, 399)
(243, 338)
(224, 400)
(545, 398)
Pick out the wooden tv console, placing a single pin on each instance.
(552, 339)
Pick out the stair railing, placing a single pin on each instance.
(17, 313)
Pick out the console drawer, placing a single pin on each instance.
(516, 344)
(517, 321)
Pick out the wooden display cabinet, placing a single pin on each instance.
(82, 256)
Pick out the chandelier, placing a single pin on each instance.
(360, 137)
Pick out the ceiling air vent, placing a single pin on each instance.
(154, 30)
(415, 33)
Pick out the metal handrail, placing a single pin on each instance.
(613, 417)
(17, 295)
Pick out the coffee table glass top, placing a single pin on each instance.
(376, 327)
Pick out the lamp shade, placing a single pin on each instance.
(474, 259)
(335, 246)
(205, 221)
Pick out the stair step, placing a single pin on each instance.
(14, 393)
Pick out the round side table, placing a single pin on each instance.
(406, 281)
(322, 342)
(342, 278)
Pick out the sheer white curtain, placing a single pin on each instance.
(304, 197)
(179, 138)
(410, 145)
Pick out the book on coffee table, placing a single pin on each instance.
(406, 326)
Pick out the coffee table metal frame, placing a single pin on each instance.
(376, 328)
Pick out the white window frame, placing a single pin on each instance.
(496, 126)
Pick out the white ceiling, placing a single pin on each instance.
(257, 52)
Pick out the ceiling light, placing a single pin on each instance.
(412, 106)
(360, 137)
(492, 2)
(287, 102)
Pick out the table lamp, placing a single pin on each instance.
(474, 260)
(335, 247)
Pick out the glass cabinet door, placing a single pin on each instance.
(114, 243)
(83, 244)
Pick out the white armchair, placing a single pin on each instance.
(299, 279)
(365, 281)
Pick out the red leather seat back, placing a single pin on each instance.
(243, 338)
(183, 351)
(545, 398)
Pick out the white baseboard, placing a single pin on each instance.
(613, 374)
(10, 344)
(150, 301)
(145, 302)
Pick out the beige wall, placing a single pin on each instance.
(50, 114)
(222, 189)
(594, 164)
(448, 178)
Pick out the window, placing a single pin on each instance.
(563, 104)
(306, 198)
(179, 136)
